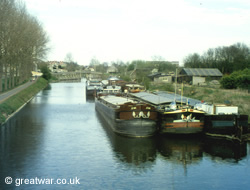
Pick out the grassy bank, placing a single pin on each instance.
(238, 98)
(13, 103)
(212, 94)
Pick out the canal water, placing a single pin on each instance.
(58, 139)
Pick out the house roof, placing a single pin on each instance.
(201, 72)
(112, 69)
(154, 75)
(163, 75)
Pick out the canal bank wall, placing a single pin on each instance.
(16, 102)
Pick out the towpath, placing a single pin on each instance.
(4, 96)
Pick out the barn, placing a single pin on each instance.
(198, 76)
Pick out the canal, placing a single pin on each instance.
(58, 139)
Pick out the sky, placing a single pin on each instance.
(127, 30)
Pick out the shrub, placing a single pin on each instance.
(228, 82)
(238, 79)
(243, 81)
(46, 72)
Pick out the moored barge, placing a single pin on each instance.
(93, 86)
(223, 120)
(173, 117)
(127, 116)
(182, 121)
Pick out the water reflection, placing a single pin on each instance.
(16, 146)
(225, 150)
(137, 154)
(186, 151)
(90, 99)
(181, 150)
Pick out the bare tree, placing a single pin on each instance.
(23, 42)
(69, 58)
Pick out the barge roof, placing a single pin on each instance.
(153, 98)
(179, 98)
(161, 97)
(116, 100)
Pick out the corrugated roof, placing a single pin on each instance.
(153, 98)
(201, 72)
(179, 98)
(164, 98)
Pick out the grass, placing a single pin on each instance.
(161, 87)
(15, 102)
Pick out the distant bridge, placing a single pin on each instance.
(76, 76)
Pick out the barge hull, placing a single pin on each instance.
(138, 127)
(226, 124)
(183, 128)
(175, 123)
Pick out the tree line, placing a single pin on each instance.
(161, 66)
(23, 43)
(227, 58)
